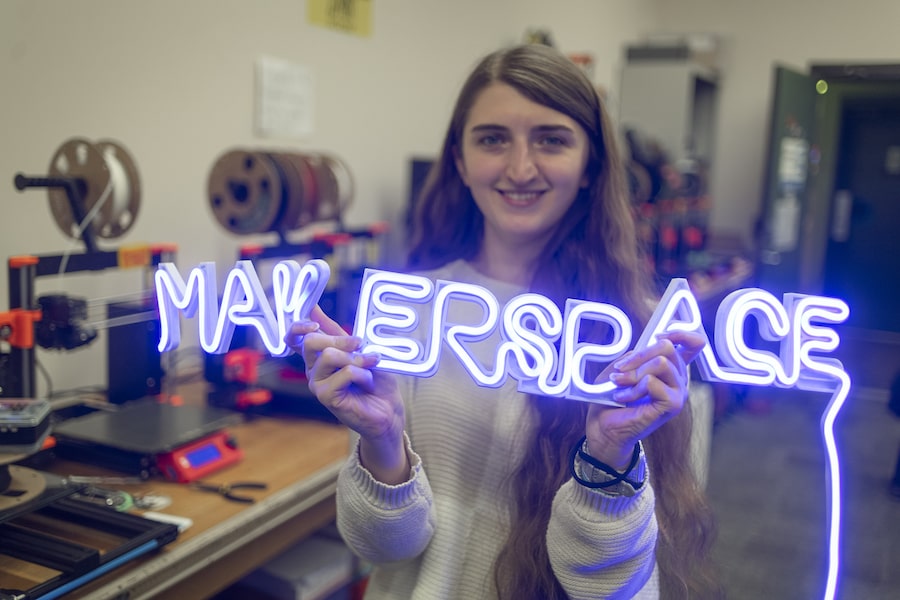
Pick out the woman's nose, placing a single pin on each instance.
(521, 167)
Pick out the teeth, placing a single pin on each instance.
(522, 196)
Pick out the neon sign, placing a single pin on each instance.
(296, 290)
(529, 327)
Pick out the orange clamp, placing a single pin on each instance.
(254, 397)
(242, 365)
(21, 326)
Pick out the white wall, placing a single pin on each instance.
(757, 35)
(173, 81)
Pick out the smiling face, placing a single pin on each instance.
(524, 164)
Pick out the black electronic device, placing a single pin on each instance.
(134, 364)
(134, 437)
(418, 174)
(63, 323)
(24, 423)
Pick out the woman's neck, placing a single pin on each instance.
(507, 264)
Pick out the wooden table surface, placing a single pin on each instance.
(298, 459)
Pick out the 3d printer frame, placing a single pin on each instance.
(245, 379)
(17, 367)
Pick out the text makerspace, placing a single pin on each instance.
(539, 345)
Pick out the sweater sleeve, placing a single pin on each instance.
(384, 523)
(603, 546)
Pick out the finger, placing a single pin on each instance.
(636, 358)
(333, 391)
(610, 368)
(664, 397)
(689, 343)
(297, 331)
(335, 358)
(328, 325)
(302, 327)
(315, 344)
(669, 370)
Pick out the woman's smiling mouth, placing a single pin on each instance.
(521, 198)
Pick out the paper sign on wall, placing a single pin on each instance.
(284, 99)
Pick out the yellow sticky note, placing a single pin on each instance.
(351, 16)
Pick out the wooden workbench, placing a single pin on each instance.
(298, 459)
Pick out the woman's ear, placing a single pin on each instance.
(460, 165)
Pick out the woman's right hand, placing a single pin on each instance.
(365, 400)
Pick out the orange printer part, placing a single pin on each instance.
(17, 327)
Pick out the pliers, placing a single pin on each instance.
(226, 489)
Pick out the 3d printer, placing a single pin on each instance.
(94, 193)
(293, 195)
(49, 535)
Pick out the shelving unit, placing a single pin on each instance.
(668, 95)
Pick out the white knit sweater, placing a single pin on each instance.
(437, 535)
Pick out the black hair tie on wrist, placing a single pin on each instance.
(616, 476)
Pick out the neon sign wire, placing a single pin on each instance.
(529, 325)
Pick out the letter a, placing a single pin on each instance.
(677, 311)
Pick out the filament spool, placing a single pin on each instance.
(259, 191)
(296, 197)
(345, 185)
(308, 191)
(245, 192)
(335, 185)
(109, 176)
(118, 216)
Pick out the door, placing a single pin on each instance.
(791, 121)
(847, 241)
(862, 264)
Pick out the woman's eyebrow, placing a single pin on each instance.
(488, 127)
(554, 129)
(538, 128)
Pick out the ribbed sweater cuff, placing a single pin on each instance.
(380, 494)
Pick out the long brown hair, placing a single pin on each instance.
(592, 255)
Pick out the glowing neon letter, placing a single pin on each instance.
(528, 326)
(377, 318)
(297, 290)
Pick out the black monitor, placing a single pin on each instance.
(418, 172)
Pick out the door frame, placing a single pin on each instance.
(845, 83)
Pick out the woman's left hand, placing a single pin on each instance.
(652, 385)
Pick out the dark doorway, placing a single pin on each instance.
(858, 196)
(845, 242)
(862, 263)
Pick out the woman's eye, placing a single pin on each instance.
(490, 140)
(553, 140)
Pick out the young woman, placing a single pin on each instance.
(460, 491)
